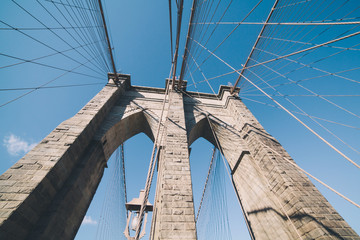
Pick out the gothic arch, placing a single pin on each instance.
(121, 129)
(63, 171)
(201, 129)
(247, 178)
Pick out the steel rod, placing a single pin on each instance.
(108, 41)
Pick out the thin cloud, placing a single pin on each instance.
(16, 146)
(88, 221)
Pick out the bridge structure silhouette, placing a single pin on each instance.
(293, 45)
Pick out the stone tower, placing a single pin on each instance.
(46, 194)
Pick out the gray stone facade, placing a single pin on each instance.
(45, 195)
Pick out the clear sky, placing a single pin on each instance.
(140, 36)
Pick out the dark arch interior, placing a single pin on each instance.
(125, 129)
(201, 129)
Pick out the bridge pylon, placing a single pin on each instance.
(46, 194)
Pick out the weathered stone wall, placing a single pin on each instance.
(36, 188)
(279, 201)
(46, 194)
(174, 207)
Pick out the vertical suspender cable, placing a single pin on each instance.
(123, 169)
(206, 183)
(187, 44)
(178, 30)
(171, 32)
(246, 218)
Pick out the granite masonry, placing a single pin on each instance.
(46, 194)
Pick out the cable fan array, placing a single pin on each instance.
(112, 220)
(303, 61)
(212, 220)
(69, 38)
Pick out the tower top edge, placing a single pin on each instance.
(127, 79)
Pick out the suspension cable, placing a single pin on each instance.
(187, 44)
(255, 44)
(108, 41)
(246, 216)
(178, 31)
(291, 114)
(152, 164)
(280, 23)
(42, 85)
(300, 109)
(302, 170)
(171, 32)
(303, 50)
(122, 156)
(313, 177)
(322, 119)
(206, 183)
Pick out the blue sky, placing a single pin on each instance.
(140, 37)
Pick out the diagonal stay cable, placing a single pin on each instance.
(255, 44)
(301, 110)
(301, 95)
(82, 14)
(301, 80)
(192, 78)
(293, 4)
(42, 85)
(44, 44)
(293, 70)
(312, 92)
(318, 13)
(309, 65)
(232, 31)
(252, 90)
(206, 183)
(299, 33)
(49, 87)
(82, 35)
(313, 177)
(281, 23)
(288, 160)
(45, 65)
(316, 10)
(305, 125)
(53, 32)
(312, 67)
(47, 28)
(301, 51)
(291, 114)
(202, 73)
(154, 155)
(42, 57)
(77, 32)
(74, 6)
(309, 43)
(197, 55)
(98, 19)
(299, 113)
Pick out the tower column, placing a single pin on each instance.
(174, 208)
(46, 193)
(279, 201)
